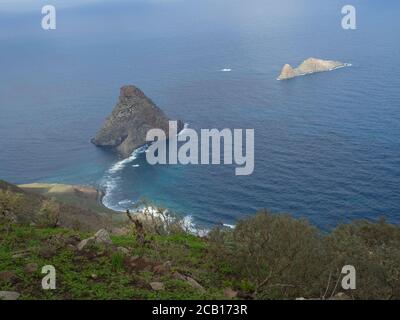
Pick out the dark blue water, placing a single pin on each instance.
(327, 146)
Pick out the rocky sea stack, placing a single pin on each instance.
(309, 66)
(134, 115)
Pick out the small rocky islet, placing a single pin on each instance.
(310, 66)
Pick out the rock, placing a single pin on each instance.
(9, 295)
(134, 115)
(72, 240)
(230, 294)
(140, 264)
(71, 247)
(31, 267)
(157, 286)
(246, 295)
(309, 66)
(190, 281)
(133, 262)
(47, 252)
(340, 296)
(21, 254)
(194, 284)
(7, 277)
(102, 236)
(287, 72)
(85, 243)
(179, 276)
(163, 268)
(123, 250)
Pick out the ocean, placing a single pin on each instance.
(327, 146)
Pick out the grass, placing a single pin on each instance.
(101, 272)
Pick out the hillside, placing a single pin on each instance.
(267, 256)
(77, 209)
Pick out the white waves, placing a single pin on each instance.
(111, 179)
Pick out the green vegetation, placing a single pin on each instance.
(277, 256)
(101, 271)
(266, 256)
(49, 213)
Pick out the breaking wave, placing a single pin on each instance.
(110, 180)
(110, 183)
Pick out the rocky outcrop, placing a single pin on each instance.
(134, 115)
(287, 72)
(309, 66)
(101, 237)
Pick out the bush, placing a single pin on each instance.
(275, 255)
(10, 203)
(374, 250)
(49, 214)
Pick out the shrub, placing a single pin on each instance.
(10, 203)
(277, 255)
(49, 214)
(374, 250)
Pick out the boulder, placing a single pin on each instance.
(85, 243)
(123, 250)
(230, 293)
(9, 295)
(190, 281)
(31, 267)
(163, 268)
(157, 286)
(47, 252)
(7, 277)
(102, 236)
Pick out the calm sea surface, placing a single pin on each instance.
(327, 146)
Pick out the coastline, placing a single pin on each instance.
(82, 195)
(89, 198)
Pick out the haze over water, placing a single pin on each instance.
(327, 146)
